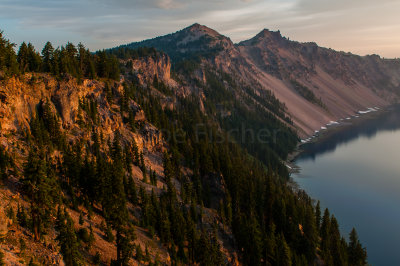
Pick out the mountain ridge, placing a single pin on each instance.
(318, 85)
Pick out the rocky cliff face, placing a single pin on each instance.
(317, 85)
(21, 98)
(146, 68)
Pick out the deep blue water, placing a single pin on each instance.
(356, 174)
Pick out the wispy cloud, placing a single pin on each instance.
(360, 26)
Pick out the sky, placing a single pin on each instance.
(358, 26)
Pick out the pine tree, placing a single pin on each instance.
(357, 254)
(132, 191)
(8, 58)
(338, 247)
(67, 240)
(284, 256)
(47, 57)
(34, 59)
(40, 185)
(310, 234)
(318, 215)
(21, 216)
(22, 58)
(114, 205)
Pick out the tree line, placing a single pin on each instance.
(74, 60)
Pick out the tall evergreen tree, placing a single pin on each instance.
(34, 59)
(357, 254)
(68, 240)
(40, 185)
(22, 58)
(48, 58)
(8, 58)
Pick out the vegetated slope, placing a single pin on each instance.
(144, 170)
(317, 85)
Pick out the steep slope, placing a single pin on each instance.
(343, 83)
(149, 167)
(68, 100)
(317, 85)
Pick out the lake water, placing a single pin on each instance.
(356, 174)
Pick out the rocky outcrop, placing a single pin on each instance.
(146, 68)
(20, 98)
(341, 83)
(22, 95)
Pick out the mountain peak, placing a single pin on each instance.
(265, 36)
(266, 33)
(193, 40)
(202, 30)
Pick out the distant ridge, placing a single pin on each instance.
(316, 84)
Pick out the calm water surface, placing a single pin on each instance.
(356, 174)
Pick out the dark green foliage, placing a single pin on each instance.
(67, 239)
(161, 86)
(307, 93)
(48, 64)
(46, 128)
(357, 254)
(107, 66)
(22, 217)
(271, 223)
(129, 53)
(28, 58)
(251, 122)
(10, 213)
(175, 46)
(333, 246)
(109, 235)
(39, 183)
(76, 61)
(22, 58)
(91, 238)
(83, 235)
(153, 178)
(8, 58)
(90, 106)
(318, 215)
(245, 181)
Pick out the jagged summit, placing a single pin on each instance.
(202, 29)
(265, 35)
(269, 33)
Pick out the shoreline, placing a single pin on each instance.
(329, 130)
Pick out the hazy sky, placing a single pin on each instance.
(358, 26)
